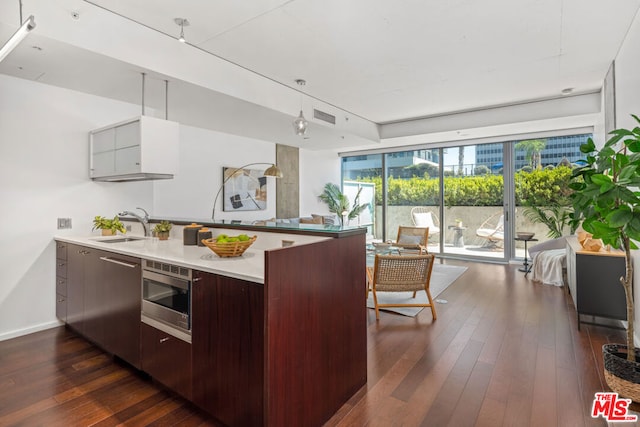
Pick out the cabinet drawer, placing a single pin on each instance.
(61, 286)
(61, 250)
(167, 359)
(61, 307)
(61, 268)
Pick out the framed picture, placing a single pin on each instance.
(244, 189)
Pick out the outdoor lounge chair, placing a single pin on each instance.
(492, 229)
(423, 217)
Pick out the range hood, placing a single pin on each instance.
(134, 177)
(142, 148)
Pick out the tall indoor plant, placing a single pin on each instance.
(607, 202)
(339, 203)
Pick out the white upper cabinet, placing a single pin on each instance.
(138, 149)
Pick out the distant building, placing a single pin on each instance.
(490, 155)
(557, 148)
(368, 165)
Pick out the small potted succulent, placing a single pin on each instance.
(108, 226)
(162, 230)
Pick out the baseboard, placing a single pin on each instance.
(30, 330)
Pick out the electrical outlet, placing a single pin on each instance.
(64, 223)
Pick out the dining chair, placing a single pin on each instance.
(401, 273)
(413, 238)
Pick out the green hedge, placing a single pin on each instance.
(546, 187)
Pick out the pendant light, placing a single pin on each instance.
(300, 123)
(182, 22)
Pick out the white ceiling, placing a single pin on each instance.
(384, 61)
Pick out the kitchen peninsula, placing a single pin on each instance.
(277, 336)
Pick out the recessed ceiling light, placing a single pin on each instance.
(567, 91)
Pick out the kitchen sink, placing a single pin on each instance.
(120, 240)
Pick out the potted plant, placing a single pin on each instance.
(162, 230)
(339, 204)
(605, 199)
(108, 226)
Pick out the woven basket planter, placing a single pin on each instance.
(622, 376)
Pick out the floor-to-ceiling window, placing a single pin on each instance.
(475, 196)
(473, 216)
(366, 171)
(413, 192)
(542, 169)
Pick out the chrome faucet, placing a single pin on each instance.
(143, 220)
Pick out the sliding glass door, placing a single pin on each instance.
(473, 218)
(473, 198)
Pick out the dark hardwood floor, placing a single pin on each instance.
(504, 352)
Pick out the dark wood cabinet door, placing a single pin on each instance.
(122, 288)
(95, 294)
(167, 359)
(228, 348)
(103, 300)
(75, 287)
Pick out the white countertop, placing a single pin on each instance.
(249, 266)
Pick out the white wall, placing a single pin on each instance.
(627, 83)
(203, 154)
(316, 169)
(43, 176)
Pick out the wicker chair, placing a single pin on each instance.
(396, 273)
(423, 217)
(412, 238)
(492, 229)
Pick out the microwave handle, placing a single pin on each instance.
(126, 264)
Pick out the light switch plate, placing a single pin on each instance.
(64, 223)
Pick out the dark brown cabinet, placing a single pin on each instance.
(61, 281)
(76, 260)
(121, 316)
(286, 352)
(103, 299)
(167, 359)
(594, 283)
(228, 348)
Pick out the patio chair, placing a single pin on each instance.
(423, 217)
(492, 229)
(395, 273)
(412, 239)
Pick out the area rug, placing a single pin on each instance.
(442, 276)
